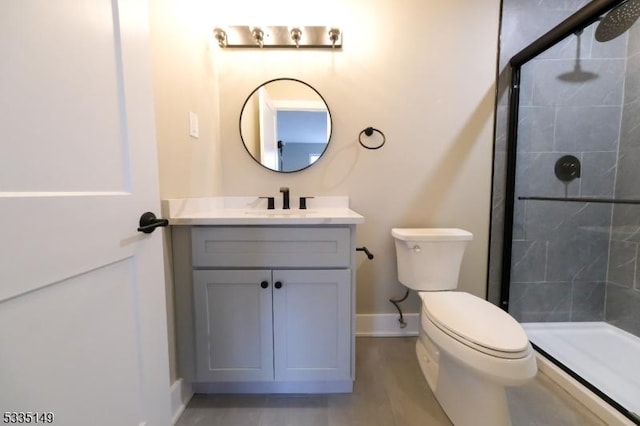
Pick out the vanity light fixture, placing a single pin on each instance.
(296, 35)
(221, 36)
(334, 36)
(258, 36)
(240, 36)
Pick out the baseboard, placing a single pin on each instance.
(181, 393)
(386, 325)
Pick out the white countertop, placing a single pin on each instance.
(253, 211)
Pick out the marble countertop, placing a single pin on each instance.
(253, 211)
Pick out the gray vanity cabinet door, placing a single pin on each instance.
(312, 317)
(233, 325)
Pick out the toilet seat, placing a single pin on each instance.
(476, 323)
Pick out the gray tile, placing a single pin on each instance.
(495, 253)
(622, 263)
(528, 261)
(519, 215)
(566, 6)
(527, 83)
(625, 223)
(581, 256)
(622, 308)
(502, 117)
(555, 220)
(633, 44)
(504, 82)
(632, 83)
(540, 302)
(587, 301)
(606, 89)
(598, 174)
(628, 177)
(519, 29)
(630, 127)
(587, 128)
(535, 176)
(569, 48)
(536, 126)
(499, 177)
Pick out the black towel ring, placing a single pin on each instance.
(369, 131)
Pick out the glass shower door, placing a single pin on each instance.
(575, 258)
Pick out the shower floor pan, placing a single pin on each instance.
(604, 355)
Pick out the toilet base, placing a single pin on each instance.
(467, 398)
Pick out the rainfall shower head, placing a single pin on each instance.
(618, 20)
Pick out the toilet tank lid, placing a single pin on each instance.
(431, 234)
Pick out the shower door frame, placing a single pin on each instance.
(584, 17)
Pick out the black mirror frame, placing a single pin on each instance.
(244, 144)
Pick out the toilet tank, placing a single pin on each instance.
(429, 259)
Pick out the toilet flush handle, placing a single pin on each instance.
(417, 248)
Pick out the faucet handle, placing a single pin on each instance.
(303, 202)
(285, 197)
(271, 202)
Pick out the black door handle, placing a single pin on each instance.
(278, 284)
(149, 222)
(264, 284)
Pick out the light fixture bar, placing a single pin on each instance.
(278, 37)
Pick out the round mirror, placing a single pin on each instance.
(285, 125)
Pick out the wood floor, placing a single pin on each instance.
(389, 391)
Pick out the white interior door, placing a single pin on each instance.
(82, 301)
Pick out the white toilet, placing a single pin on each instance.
(468, 349)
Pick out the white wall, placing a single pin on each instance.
(421, 71)
(184, 81)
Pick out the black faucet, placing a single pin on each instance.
(285, 197)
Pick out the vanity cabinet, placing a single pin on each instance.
(271, 308)
(295, 328)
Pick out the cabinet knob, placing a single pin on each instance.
(278, 284)
(264, 284)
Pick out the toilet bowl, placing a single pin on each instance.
(468, 349)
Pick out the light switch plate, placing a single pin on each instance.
(194, 130)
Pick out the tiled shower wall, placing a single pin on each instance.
(560, 249)
(623, 285)
(523, 21)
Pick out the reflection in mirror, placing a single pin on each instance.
(285, 125)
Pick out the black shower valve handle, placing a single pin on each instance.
(567, 168)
